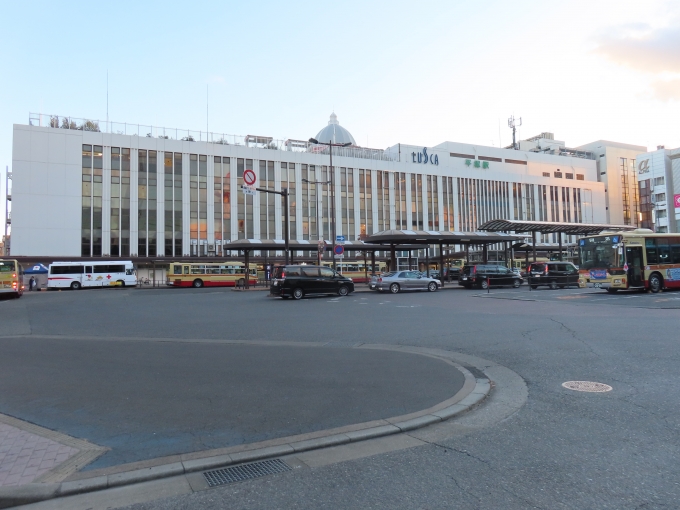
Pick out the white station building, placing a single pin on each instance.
(83, 188)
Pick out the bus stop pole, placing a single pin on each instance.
(559, 237)
(441, 263)
(247, 269)
(533, 240)
(373, 261)
(427, 260)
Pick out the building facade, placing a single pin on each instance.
(616, 168)
(82, 191)
(658, 176)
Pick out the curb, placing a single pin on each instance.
(467, 398)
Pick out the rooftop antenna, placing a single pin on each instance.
(514, 125)
(207, 111)
(107, 99)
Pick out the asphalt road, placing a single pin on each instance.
(562, 449)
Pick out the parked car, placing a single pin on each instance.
(483, 275)
(398, 281)
(299, 281)
(552, 274)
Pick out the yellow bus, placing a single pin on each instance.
(357, 270)
(11, 278)
(216, 274)
(639, 259)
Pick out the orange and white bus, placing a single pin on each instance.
(216, 274)
(639, 259)
(11, 278)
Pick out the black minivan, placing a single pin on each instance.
(299, 281)
(552, 274)
(485, 275)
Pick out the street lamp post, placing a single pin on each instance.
(330, 146)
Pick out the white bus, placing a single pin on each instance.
(76, 275)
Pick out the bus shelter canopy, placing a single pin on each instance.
(551, 227)
(303, 245)
(428, 237)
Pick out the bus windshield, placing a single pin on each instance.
(6, 266)
(600, 253)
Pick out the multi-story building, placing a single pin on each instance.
(658, 175)
(616, 163)
(85, 188)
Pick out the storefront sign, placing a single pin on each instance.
(425, 158)
(477, 163)
(643, 168)
(676, 201)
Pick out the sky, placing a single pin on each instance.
(393, 71)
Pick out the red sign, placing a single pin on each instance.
(676, 200)
(339, 249)
(249, 177)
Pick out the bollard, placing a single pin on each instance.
(488, 284)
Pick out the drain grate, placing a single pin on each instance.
(245, 472)
(593, 387)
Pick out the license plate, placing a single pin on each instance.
(598, 285)
(464, 278)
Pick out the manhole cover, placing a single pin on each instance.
(594, 387)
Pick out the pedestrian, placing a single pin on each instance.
(31, 283)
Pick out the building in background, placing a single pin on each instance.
(88, 188)
(658, 175)
(616, 168)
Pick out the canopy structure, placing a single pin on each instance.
(551, 227)
(428, 237)
(36, 269)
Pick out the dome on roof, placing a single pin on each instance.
(335, 132)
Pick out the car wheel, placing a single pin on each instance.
(343, 290)
(612, 291)
(553, 285)
(198, 283)
(432, 286)
(516, 284)
(76, 286)
(298, 293)
(394, 288)
(655, 283)
(484, 284)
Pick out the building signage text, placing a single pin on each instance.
(477, 164)
(644, 166)
(425, 158)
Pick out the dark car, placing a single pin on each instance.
(483, 275)
(552, 274)
(299, 281)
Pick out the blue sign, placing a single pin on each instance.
(615, 239)
(339, 239)
(598, 274)
(339, 249)
(425, 158)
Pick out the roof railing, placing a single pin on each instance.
(262, 142)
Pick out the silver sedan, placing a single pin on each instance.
(406, 280)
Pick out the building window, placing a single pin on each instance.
(488, 158)
(287, 181)
(520, 162)
(464, 156)
(579, 177)
(569, 176)
(658, 181)
(546, 174)
(558, 175)
(660, 197)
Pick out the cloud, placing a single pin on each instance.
(667, 90)
(639, 47)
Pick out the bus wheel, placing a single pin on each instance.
(198, 283)
(655, 283)
(121, 283)
(75, 285)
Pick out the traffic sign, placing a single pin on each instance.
(247, 190)
(339, 249)
(339, 239)
(249, 177)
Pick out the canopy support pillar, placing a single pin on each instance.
(441, 264)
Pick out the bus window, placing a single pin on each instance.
(186, 269)
(177, 269)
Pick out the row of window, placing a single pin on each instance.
(663, 251)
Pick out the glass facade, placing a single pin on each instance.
(434, 202)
